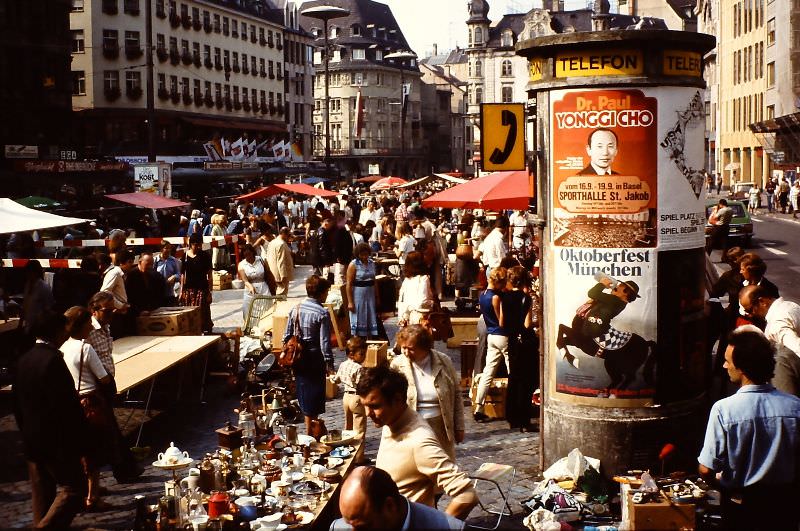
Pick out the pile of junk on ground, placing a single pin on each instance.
(575, 495)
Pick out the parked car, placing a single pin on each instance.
(741, 227)
(741, 190)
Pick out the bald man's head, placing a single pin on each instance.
(755, 301)
(369, 499)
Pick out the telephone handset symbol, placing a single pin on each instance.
(510, 119)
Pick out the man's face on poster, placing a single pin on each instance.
(602, 149)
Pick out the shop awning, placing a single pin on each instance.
(498, 190)
(433, 177)
(17, 218)
(252, 125)
(275, 189)
(147, 200)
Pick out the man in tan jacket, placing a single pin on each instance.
(279, 261)
(409, 450)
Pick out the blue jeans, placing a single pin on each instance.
(770, 202)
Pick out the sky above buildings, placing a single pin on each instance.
(443, 22)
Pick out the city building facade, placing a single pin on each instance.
(375, 102)
(443, 119)
(219, 69)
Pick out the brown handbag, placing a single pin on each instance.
(293, 347)
(440, 322)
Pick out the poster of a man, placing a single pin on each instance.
(602, 147)
(610, 199)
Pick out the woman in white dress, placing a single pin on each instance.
(415, 292)
(252, 272)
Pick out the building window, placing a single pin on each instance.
(77, 41)
(507, 94)
(478, 36)
(225, 26)
(359, 53)
(770, 112)
(216, 23)
(162, 82)
(506, 68)
(79, 83)
(357, 79)
(110, 80)
(355, 29)
(771, 32)
(771, 74)
(131, 40)
(478, 95)
(235, 28)
(77, 5)
(133, 80)
(378, 55)
(507, 39)
(334, 32)
(478, 68)
(173, 84)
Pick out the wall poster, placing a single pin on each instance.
(622, 177)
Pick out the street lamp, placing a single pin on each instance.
(402, 57)
(326, 13)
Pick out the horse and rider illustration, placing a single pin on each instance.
(591, 331)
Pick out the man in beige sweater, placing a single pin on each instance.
(279, 261)
(409, 450)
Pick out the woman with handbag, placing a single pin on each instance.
(89, 375)
(523, 350)
(197, 280)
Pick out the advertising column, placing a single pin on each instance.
(621, 161)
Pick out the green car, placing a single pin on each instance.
(741, 227)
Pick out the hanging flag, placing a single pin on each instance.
(226, 148)
(237, 150)
(217, 142)
(358, 122)
(296, 152)
(211, 151)
(277, 150)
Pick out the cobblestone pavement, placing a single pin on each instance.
(191, 426)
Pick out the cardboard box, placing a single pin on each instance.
(221, 280)
(280, 316)
(377, 352)
(171, 321)
(464, 329)
(660, 515)
(495, 404)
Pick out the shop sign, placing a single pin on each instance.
(374, 169)
(503, 136)
(228, 165)
(18, 151)
(600, 63)
(64, 166)
(680, 63)
(145, 178)
(535, 67)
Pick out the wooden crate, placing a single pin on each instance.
(660, 515)
(377, 352)
(171, 321)
(495, 403)
(464, 329)
(221, 280)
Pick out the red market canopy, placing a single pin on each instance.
(496, 191)
(275, 189)
(386, 183)
(147, 200)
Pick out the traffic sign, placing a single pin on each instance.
(503, 136)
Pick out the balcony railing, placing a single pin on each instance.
(186, 57)
(217, 64)
(174, 19)
(236, 68)
(174, 56)
(198, 98)
(208, 100)
(207, 27)
(133, 51)
(162, 54)
(218, 101)
(245, 69)
(197, 25)
(110, 7)
(112, 93)
(262, 41)
(246, 105)
(186, 22)
(163, 94)
(110, 50)
(196, 59)
(228, 103)
(160, 11)
(253, 38)
(262, 73)
(208, 63)
(187, 97)
(174, 95)
(134, 92)
(237, 105)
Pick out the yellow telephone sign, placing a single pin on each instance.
(502, 136)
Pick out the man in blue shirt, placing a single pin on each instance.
(752, 443)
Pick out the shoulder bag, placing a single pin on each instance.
(292, 350)
(95, 407)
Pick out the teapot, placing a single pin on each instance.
(172, 455)
(218, 504)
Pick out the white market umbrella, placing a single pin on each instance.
(17, 218)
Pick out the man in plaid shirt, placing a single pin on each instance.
(102, 308)
(401, 214)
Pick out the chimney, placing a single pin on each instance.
(435, 49)
(556, 5)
